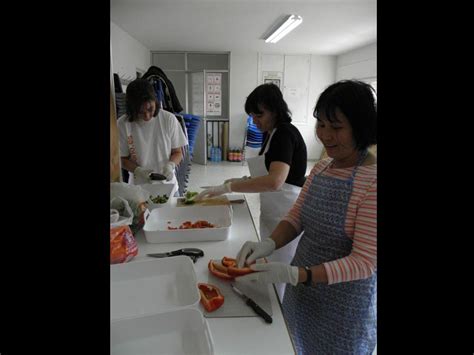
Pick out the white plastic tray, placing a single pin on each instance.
(157, 222)
(152, 286)
(159, 189)
(178, 332)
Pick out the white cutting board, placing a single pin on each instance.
(234, 305)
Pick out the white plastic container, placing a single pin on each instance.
(178, 332)
(159, 189)
(152, 286)
(157, 223)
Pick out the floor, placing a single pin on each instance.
(215, 173)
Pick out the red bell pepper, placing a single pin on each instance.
(219, 270)
(226, 261)
(232, 268)
(211, 297)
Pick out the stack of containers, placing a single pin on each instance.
(192, 126)
(254, 135)
(153, 304)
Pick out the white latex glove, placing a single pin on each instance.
(272, 273)
(214, 191)
(236, 179)
(168, 170)
(256, 250)
(141, 175)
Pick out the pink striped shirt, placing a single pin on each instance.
(360, 224)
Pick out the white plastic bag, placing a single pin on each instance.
(124, 210)
(114, 215)
(129, 192)
(136, 198)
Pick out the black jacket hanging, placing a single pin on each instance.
(117, 84)
(155, 71)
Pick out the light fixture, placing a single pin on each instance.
(290, 23)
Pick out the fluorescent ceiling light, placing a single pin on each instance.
(292, 21)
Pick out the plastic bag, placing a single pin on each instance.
(124, 211)
(136, 198)
(123, 246)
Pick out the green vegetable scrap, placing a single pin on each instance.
(159, 199)
(189, 197)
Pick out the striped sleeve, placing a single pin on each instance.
(362, 261)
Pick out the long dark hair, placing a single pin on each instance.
(138, 92)
(269, 97)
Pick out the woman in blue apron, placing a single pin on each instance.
(277, 173)
(330, 305)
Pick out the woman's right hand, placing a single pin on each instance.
(252, 251)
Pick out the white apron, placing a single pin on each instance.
(273, 207)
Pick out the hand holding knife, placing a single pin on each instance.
(251, 303)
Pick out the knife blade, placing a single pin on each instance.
(232, 202)
(251, 303)
(192, 252)
(156, 176)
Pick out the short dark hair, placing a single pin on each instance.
(269, 97)
(357, 101)
(138, 92)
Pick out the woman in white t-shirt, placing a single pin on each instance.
(151, 138)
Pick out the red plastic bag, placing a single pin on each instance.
(123, 246)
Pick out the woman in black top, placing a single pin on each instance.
(278, 173)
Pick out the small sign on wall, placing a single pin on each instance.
(214, 94)
(273, 77)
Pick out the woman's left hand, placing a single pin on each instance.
(214, 191)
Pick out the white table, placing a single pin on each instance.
(245, 335)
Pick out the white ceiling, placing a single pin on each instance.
(328, 28)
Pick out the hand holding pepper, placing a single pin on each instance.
(252, 251)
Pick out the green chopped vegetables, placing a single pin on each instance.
(189, 197)
(159, 199)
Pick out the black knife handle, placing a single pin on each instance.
(259, 311)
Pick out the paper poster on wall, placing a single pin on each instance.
(273, 81)
(214, 107)
(196, 93)
(273, 77)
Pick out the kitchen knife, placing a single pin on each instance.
(251, 303)
(192, 252)
(238, 201)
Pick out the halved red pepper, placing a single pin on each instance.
(211, 297)
(232, 268)
(219, 270)
(226, 261)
